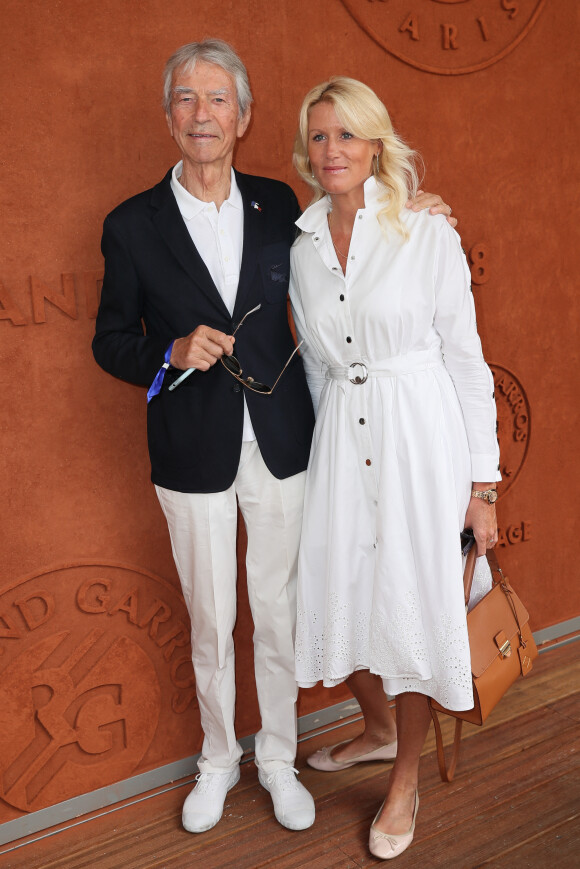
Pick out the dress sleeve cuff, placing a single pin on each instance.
(485, 468)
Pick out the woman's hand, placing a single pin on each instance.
(434, 203)
(481, 517)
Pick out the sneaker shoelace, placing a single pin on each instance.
(208, 782)
(284, 778)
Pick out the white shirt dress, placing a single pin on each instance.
(393, 455)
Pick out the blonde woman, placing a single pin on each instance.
(404, 437)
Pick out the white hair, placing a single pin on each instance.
(214, 51)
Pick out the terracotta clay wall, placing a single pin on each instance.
(95, 684)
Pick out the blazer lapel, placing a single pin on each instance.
(253, 222)
(171, 226)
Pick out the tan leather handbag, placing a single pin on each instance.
(502, 649)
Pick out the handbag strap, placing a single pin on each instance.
(446, 771)
(507, 590)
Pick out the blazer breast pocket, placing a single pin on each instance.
(275, 269)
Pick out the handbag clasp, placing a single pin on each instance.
(503, 644)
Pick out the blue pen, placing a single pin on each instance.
(185, 374)
(181, 378)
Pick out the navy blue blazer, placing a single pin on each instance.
(156, 288)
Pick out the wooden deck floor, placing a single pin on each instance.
(515, 803)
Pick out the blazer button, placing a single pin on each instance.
(341, 297)
(236, 388)
(348, 339)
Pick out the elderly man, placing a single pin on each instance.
(202, 251)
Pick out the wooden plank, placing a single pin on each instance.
(337, 807)
(545, 685)
(164, 831)
(514, 803)
(559, 846)
(493, 744)
(488, 744)
(491, 833)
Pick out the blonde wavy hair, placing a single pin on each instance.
(362, 113)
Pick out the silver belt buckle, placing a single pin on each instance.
(358, 378)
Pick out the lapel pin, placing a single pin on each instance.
(255, 205)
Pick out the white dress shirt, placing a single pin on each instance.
(219, 239)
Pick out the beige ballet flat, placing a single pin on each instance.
(386, 846)
(323, 759)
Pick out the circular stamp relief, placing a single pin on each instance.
(93, 658)
(447, 37)
(513, 425)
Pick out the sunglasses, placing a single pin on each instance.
(233, 367)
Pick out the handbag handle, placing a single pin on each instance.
(494, 565)
(469, 570)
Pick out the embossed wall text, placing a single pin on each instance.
(516, 532)
(77, 295)
(514, 425)
(447, 37)
(479, 262)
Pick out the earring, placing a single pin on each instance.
(377, 168)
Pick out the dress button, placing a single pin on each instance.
(348, 339)
(236, 388)
(368, 462)
(341, 298)
(362, 421)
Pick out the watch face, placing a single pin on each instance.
(493, 497)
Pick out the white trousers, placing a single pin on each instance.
(203, 538)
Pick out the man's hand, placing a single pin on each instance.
(201, 349)
(434, 203)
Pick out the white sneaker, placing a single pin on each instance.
(293, 805)
(205, 804)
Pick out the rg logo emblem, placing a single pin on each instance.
(96, 682)
(71, 709)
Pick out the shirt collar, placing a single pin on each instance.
(315, 216)
(190, 206)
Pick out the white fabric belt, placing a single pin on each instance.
(359, 372)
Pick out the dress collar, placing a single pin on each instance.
(315, 216)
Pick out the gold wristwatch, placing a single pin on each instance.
(489, 495)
